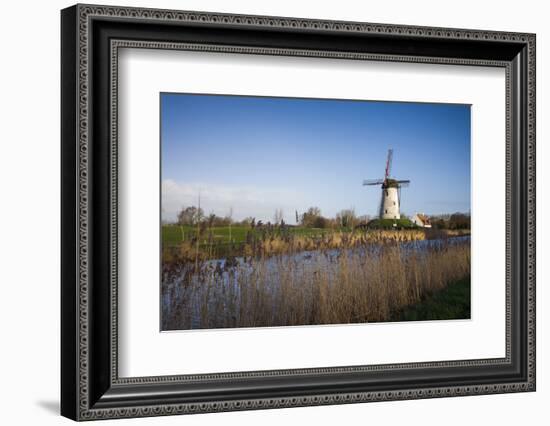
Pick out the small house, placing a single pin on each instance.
(420, 219)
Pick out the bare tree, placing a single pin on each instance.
(346, 218)
(190, 215)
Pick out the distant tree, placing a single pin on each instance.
(211, 220)
(459, 221)
(190, 215)
(312, 218)
(248, 221)
(346, 218)
(314, 211)
(438, 223)
(321, 222)
(223, 221)
(364, 219)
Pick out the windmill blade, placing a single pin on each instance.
(373, 182)
(403, 183)
(388, 163)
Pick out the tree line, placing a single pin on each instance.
(311, 218)
(454, 221)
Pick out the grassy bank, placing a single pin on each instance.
(452, 302)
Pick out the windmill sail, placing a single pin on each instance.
(388, 164)
(373, 182)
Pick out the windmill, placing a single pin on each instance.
(391, 191)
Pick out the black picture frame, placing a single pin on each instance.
(90, 386)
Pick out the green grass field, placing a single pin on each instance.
(451, 303)
(175, 234)
(392, 223)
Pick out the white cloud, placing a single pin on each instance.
(219, 199)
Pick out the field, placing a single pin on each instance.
(236, 234)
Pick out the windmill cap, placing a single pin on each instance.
(391, 183)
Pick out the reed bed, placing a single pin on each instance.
(266, 244)
(328, 287)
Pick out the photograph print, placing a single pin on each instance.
(280, 212)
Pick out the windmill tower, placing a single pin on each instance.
(391, 191)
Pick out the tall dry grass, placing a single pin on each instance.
(274, 244)
(353, 286)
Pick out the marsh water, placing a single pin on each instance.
(187, 289)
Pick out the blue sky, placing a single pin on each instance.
(252, 155)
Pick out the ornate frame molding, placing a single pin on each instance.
(80, 19)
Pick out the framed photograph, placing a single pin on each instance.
(264, 212)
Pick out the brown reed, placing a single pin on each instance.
(272, 245)
(356, 286)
